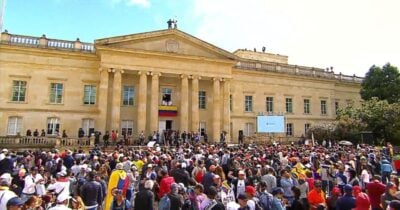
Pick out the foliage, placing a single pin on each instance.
(383, 83)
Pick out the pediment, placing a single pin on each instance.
(167, 41)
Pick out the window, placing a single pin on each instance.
(289, 129)
(306, 127)
(128, 96)
(88, 126)
(202, 99)
(306, 106)
(127, 127)
(248, 103)
(53, 126)
(202, 128)
(248, 129)
(56, 93)
(337, 107)
(18, 91)
(89, 94)
(167, 96)
(230, 103)
(14, 125)
(323, 107)
(289, 105)
(270, 104)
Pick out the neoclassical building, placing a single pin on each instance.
(159, 80)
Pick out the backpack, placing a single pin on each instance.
(265, 201)
(165, 203)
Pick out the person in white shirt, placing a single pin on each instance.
(62, 203)
(31, 181)
(5, 193)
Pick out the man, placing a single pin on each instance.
(208, 178)
(269, 179)
(91, 193)
(347, 201)
(31, 181)
(13, 204)
(287, 183)
(316, 197)
(386, 170)
(211, 203)
(62, 203)
(5, 193)
(145, 198)
(165, 183)
(176, 200)
(6, 164)
(62, 185)
(120, 202)
(375, 189)
(252, 200)
(362, 200)
(277, 200)
(239, 184)
(265, 198)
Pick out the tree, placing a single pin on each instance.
(383, 83)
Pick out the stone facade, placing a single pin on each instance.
(123, 83)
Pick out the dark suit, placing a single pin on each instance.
(144, 199)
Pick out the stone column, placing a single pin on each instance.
(142, 102)
(216, 110)
(103, 100)
(154, 102)
(195, 104)
(184, 107)
(116, 100)
(227, 110)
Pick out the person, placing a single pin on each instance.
(264, 197)
(394, 205)
(32, 181)
(77, 203)
(62, 203)
(141, 138)
(106, 139)
(386, 170)
(91, 192)
(375, 190)
(42, 133)
(199, 195)
(176, 200)
(270, 179)
(165, 183)
(14, 203)
(389, 194)
(362, 199)
(5, 193)
(347, 201)
(287, 183)
(36, 133)
(208, 178)
(211, 202)
(332, 199)
(81, 133)
(145, 198)
(243, 202)
(297, 203)
(251, 199)
(64, 134)
(119, 202)
(316, 197)
(277, 200)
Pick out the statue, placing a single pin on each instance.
(170, 22)
(263, 49)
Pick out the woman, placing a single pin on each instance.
(77, 203)
(365, 176)
(33, 203)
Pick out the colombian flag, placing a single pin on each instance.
(118, 180)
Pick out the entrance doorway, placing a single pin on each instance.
(164, 125)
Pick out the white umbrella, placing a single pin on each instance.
(346, 143)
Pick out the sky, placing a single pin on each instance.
(349, 35)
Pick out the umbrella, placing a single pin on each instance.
(346, 143)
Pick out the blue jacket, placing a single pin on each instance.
(386, 166)
(346, 202)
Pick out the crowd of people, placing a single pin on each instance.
(201, 176)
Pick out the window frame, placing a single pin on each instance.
(248, 129)
(57, 93)
(307, 127)
(287, 103)
(55, 122)
(17, 128)
(163, 92)
(269, 104)
(127, 125)
(86, 127)
(19, 91)
(307, 106)
(202, 99)
(324, 107)
(130, 91)
(289, 132)
(91, 96)
(248, 103)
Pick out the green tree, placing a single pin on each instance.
(383, 83)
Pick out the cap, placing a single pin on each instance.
(62, 197)
(242, 197)
(277, 190)
(16, 201)
(348, 188)
(241, 172)
(62, 173)
(4, 150)
(357, 189)
(119, 166)
(150, 166)
(251, 190)
(336, 191)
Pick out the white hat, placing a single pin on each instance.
(62, 197)
(4, 150)
(183, 165)
(119, 166)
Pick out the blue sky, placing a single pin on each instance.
(351, 35)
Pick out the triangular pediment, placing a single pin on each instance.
(171, 41)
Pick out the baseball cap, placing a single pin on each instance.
(242, 197)
(251, 190)
(16, 201)
(62, 197)
(348, 188)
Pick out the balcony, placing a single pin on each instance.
(26, 142)
(167, 111)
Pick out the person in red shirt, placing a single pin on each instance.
(362, 199)
(316, 197)
(375, 189)
(165, 183)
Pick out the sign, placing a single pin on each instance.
(270, 124)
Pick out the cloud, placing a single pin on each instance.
(141, 3)
(348, 35)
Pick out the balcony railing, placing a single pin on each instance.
(44, 142)
(44, 42)
(298, 70)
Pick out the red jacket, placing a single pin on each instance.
(165, 185)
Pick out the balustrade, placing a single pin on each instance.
(29, 141)
(24, 40)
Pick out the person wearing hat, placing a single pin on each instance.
(14, 203)
(243, 201)
(5, 193)
(277, 200)
(251, 195)
(332, 199)
(347, 201)
(239, 184)
(144, 199)
(62, 203)
(362, 199)
(389, 195)
(208, 178)
(31, 181)
(375, 189)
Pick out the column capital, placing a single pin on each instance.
(143, 72)
(217, 79)
(101, 69)
(155, 74)
(109, 70)
(184, 76)
(195, 77)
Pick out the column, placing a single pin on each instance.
(154, 102)
(103, 100)
(142, 102)
(216, 110)
(116, 100)
(195, 104)
(227, 110)
(184, 107)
